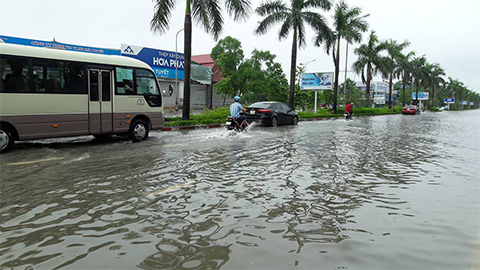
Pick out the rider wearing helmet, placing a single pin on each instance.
(235, 110)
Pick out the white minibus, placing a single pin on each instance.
(47, 93)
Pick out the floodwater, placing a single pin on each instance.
(383, 192)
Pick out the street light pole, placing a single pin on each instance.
(176, 76)
(305, 67)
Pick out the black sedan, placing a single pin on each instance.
(271, 113)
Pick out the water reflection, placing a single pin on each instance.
(329, 193)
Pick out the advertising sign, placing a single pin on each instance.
(57, 45)
(448, 100)
(463, 102)
(166, 64)
(379, 99)
(316, 81)
(421, 95)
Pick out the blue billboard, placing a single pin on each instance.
(421, 95)
(166, 64)
(448, 100)
(316, 81)
(58, 45)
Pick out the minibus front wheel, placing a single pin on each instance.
(138, 130)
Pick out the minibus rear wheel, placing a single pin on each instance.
(7, 140)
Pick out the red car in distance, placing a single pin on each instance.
(410, 109)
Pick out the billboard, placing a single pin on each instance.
(166, 64)
(421, 95)
(58, 45)
(448, 100)
(316, 81)
(379, 99)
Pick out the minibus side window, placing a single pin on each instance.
(124, 81)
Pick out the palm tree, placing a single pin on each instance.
(435, 72)
(369, 61)
(393, 61)
(349, 25)
(454, 89)
(293, 19)
(419, 73)
(404, 69)
(207, 13)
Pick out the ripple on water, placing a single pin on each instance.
(373, 193)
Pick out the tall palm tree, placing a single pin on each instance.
(393, 61)
(207, 13)
(454, 89)
(419, 73)
(435, 72)
(347, 24)
(404, 69)
(293, 19)
(369, 61)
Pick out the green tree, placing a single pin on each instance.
(403, 69)
(369, 61)
(347, 24)
(264, 78)
(207, 13)
(224, 87)
(277, 83)
(353, 94)
(393, 61)
(419, 73)
(303, 98)
(293, 19)
(453, 88)
(434, 76)
(228, 55)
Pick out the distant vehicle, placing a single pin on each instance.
(410, 109)
(48, 93)
(271, 113)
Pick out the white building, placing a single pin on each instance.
(378, 92)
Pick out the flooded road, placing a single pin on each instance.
(383, 192)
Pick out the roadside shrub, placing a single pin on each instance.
(181, 123)
(219, 115)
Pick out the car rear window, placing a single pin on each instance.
(261, 105)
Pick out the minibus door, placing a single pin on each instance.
(100, 104)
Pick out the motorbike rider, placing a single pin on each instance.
(235, 110)
(349, 110)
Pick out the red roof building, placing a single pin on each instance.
(206, 60)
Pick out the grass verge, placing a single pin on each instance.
(219, 115)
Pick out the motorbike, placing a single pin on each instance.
(232, 124)
(348, 116)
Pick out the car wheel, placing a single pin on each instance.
(274, 121)
(7, 140)
(138, 131)
(295, 120)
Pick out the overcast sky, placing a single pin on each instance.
(446, 32)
